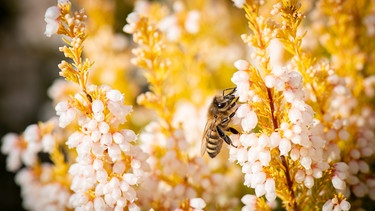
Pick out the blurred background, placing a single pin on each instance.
(28, 66)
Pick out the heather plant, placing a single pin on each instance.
(131, 110)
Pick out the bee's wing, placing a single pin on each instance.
(207, 130)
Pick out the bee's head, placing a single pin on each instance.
(221, 102)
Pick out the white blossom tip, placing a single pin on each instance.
(197, 203)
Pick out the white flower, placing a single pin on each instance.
(67, 114)
(101, 138)
(242, 65)
(345, 205)
(41, 196)
(12, 148)
(265, 157)
(249, 199)
(197, 203)
(63, 1)
(295, 115)
(192, 22)
(133, 207)
(338, 183)
(270, 81)
(285, 146)
(170, 26)
(9, 142)
(360, 189)
(275, 140)
(99, 203)
(48, 143)
(306, 162)
(260, 190)
(115, 95)
(309, 181)
(51, 17)
(132, 20)
(240, 76)
(242, 110)
(249, 122)
(78, 199)
(295, 79)
(363, 166)
(119, 111)
(114, 152)
(334, 204)
(270, 185)
(97, 106)
(328, 206)
(239, 3)
(241, 79)
(369, 22)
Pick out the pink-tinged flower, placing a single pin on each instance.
(270, 81)
(12, 147)
(197, 203)
(250, 202)
(328, 206)
(132, 20)
(309, 181)
(369, 22)
(25, 148)
(334, 204)
(360, 189)
(242, 65)
(192, 22)
(29, 154)
(115, 105)
(66, 112)
(345, 205)
(241, 79)
(103, 149)
(48, 143)
(239, 3)
(340, 175)
(300, 176)
(249, 122)
(39, 192)
(170, 26)
(32, 133)
(63, 1)
(285, 146)
(51, 18)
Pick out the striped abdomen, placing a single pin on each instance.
(213, 142)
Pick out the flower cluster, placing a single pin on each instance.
(104, 164)
(302, 134)
(108, 165)
(39, 181)
(24, 149)
(176, 175)
(336, 203)
(297, 137)
(41, 188)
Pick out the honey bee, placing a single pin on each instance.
(220, 112)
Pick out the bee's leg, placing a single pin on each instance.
(224, 136)
(231, 92)
(226, 119)
(233, 130)
(233, 104)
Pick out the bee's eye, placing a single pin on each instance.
(221, 105)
